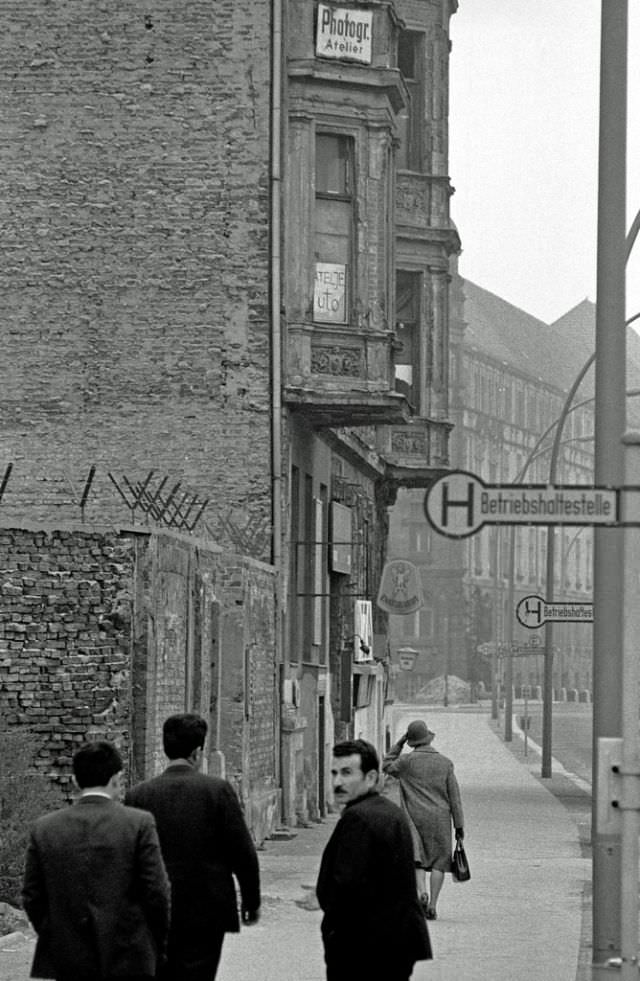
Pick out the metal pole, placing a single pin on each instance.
(508, 705)
(547, 686)
(630, 769)
(609, 464)
(495, 689)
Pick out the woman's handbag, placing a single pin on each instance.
(459, 863)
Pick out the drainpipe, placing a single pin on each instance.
(276, 347)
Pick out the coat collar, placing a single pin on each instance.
(94, 799)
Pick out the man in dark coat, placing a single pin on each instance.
(373, 926)
(205, 842)
(95, 887)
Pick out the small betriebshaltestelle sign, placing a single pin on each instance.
(344, 33)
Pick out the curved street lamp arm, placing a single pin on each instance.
(633, 234)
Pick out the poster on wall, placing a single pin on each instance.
(344, 33)
(330, 293)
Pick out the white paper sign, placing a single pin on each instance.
(329, 294)
(344, 33)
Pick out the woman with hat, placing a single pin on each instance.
(430, 798)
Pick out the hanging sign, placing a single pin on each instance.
(400, 589)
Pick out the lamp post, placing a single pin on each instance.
(609, 464)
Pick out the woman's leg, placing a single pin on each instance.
(437, 881)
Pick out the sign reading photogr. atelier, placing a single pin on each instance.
(460, 503)
(344, 33)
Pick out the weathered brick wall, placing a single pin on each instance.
(206, 627)
(64, 659)
(105, 634)
(134, 197)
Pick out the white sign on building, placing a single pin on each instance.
(330, 293)
(344, 33)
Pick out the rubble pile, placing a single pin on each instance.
(458, 691)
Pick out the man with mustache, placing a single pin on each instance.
(373, 926)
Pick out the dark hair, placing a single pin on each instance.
(359, 747)
(95, 763)
(181, 734)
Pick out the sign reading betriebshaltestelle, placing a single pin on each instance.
(459, 503)
(344, 33)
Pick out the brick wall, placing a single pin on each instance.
(64, 662)
(134, 191)
(105, 634)
(207, 619)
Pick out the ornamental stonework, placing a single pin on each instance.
(336, 361)
(408, 444)
(413, 200)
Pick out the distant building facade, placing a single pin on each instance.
(510, 375)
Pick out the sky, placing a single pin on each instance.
(523, 150)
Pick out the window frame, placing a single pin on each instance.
(347, 196)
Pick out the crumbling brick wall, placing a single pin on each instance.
(64, 659)
(105, 633)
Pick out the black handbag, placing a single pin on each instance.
(460, 863)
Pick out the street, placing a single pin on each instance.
(525, 863)
(572, 726)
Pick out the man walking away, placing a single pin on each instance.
(373, 927)
(205, 842)
(430, 797)
(95, 887)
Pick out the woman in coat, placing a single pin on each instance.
(430, 797)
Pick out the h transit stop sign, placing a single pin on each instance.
(534, 611)
(459, 503)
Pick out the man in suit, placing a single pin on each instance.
(205, 842)
(95, 887)
(373, 926)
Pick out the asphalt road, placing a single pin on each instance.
(572, 727)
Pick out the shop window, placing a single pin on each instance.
(411, 66)
(406, 348)
(333, 228)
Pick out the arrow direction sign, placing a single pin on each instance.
(533, 612)
(459, 503)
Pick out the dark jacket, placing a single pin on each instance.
(367, 889)
(204, 841)
(96, 891)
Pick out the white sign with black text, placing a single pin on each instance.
(344, 33)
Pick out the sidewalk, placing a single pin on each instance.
(518, 917)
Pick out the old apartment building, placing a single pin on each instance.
(510, 376)
(226, 258)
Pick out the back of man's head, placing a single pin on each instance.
(181, 734)
(369, 759)
(95, 763)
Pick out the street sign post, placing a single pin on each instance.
(534, 611)
(459, 503)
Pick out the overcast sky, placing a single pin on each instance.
(524, 149)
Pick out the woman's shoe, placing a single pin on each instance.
(430, 913)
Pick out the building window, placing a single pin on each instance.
(406, 350)
(333, 230)
(410, 63)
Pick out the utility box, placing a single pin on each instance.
(609, 787)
